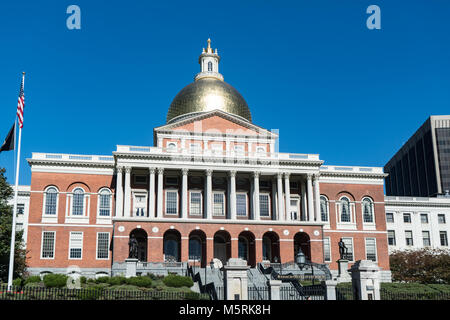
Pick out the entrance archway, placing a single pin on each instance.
(271, 247)
(222, 246)
(172, 246)
(301, 242)
(246, 247)
(197, 247)
(141, 238)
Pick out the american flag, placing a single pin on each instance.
(21, 104)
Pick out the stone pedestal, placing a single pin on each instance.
(131, 267)
(330, 289)
(235, 279)
(274, 286)
(343, 275)
(366, 280)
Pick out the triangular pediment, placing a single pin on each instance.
(216, 122)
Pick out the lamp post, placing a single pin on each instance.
(302, 262)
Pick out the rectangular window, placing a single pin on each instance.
(371, 249)
(239, 149)
(48, 245)
(391, 237)
(424, 218)
(218, 204)
(172, 202)
(443, 236)
(140, 179)
(102, 245)
(75, 245)
(241, 204)
(194, 147)
(20, 208)
(389, 217)
(349, 244)
(264, 205)
(327, 249)
(171, 181)
(441, 218)
(426, 238)
(409, 238)
(407, 218)
(195, 207)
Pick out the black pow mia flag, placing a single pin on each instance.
(10, 140)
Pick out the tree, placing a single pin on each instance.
(424, 265)
(6, 212)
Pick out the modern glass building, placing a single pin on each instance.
(422, 166)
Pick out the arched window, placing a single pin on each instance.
(171, 146)
(367, 206)
(210, 66)
(51, 196)
(78, 202)
(195, 249)
(104, 203)
(324, 208)
(345, 209)
(243, 248)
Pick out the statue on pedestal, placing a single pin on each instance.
(133, 244)
(342, 249)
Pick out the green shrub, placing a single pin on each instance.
(177, 281)
(102, 280)
(93, 293)
(139, 281)
(116, 281)
(33, 279)
(154, 276)
(83, 280)
(17, 282)
(55, 280)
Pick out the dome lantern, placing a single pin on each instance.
(209, 64)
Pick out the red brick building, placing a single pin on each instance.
(212, 186)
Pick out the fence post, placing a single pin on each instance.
(274, 289)
(330, 289)
(131, 267)
(366, 280)
(235, 279)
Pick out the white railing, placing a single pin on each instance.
(351, 169)
(218, 153)
(72, 157)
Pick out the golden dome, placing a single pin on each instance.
(207, 94)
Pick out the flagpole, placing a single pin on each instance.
(13, 228)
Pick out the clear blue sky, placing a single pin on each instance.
(311, 69)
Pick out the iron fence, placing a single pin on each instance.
(313, 293)
(387, 295)
(37, 293)
(258, 293)
(344, 293)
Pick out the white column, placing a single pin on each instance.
(287, 192)
(280, 197)
(232, 198)
(184, 194)
(159, 210)
(208, 198)
(317, 197)
(256, 195)
(304, 201)
(119, 192)
(310, 197)
(127, 202)
(151, 193)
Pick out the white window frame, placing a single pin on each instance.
(261, 150)
(297, 199)
(52, 218)
(171, 149)
(368, 225)
(42, 245)
(246, 204)
(177, 202)
(395, 238)
(108, 217)
(139, 193)
(201, 202)
(376, 251)
(345, 224)
(429, 238)
(412, 238)
(329, 248)
(393, 217)
(71, 244)
(217, 148)
(327, 207)
(269, 205)
(239, 149)
(107, 249)
(84, 218)
(424, 214)
(195, 147)
(410, 217)
(441, 215)
(224, 204)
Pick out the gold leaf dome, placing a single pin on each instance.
(207, 94)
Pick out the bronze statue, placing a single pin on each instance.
(133, 247)
(342, 249)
